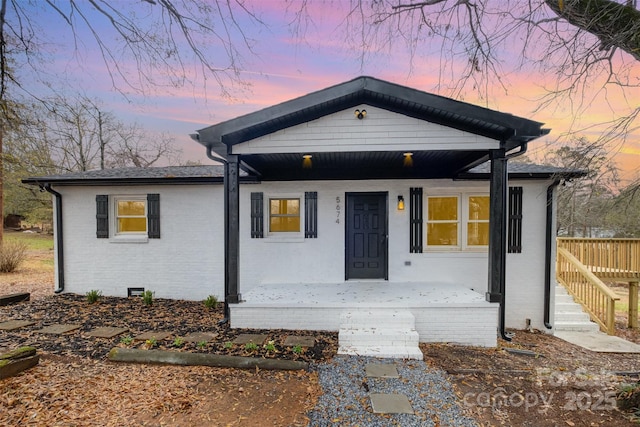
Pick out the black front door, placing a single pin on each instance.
(366, 236)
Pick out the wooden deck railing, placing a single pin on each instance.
(587, 289)
(617, 259)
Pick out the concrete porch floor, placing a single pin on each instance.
(363, 294)
(443, 312)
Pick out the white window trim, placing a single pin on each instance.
(283, 236)
(127, 237)
(463, 221)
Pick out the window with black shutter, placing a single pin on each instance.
(132, 215)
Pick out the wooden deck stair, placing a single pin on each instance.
(379, 332)
(583, 264)
(569, 315)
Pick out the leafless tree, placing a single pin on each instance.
(572, 46)
(83, 136)
(166, 39)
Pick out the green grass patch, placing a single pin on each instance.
(34, 241)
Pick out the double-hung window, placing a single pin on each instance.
(284, 215)
(131, 215)
(443, 221)
(478, 221)
(457, 222)
(128, 218)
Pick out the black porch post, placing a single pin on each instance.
(498, 232)
(232, 231)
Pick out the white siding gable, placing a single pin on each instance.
(380, 130)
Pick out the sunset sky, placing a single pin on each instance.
(284, 64)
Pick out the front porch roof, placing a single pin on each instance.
(511, 131)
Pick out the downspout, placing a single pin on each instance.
(226, 232)
(547, 254)
(59, 235)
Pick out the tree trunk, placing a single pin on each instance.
(615, 24)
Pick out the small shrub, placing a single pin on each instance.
(251, 347)
(211, 302)
(270, 347)
(126, 340)
(201, 344)
(147, 297)
(297, 349)
(12, 254)
(228, 345)
(93, 296)
(178, 342)
(151, 343)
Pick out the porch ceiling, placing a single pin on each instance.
(362, 165)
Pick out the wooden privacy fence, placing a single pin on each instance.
(582, 264)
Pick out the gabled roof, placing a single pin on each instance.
(411, 102)
(508, 130)
(132, 176)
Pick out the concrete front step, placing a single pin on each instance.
(387, 333)
(382, 351)
(375, 336)
(569, 315)
(564, 316)
(577, 326)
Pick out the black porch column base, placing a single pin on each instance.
(233, 299)
(493, 297)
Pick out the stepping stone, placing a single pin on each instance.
(390, 404)
(10, 325)
(200, 336)
(292, 341)
(59, 329)
(157, 335)
(106, 332)
(381, 370)
(247, 338)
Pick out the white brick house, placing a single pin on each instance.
(366, 194)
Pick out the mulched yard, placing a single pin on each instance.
(176, 317)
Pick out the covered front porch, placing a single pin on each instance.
(444, 312)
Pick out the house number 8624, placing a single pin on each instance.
(338, 210)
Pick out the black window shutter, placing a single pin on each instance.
(514, 244)
(257, 216)
(415, 220)
(102, 216)
(311, 214)
(153, 216)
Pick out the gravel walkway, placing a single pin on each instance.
(346, 389)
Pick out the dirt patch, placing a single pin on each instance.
(67, 390)
(563, 385)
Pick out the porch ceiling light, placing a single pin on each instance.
(360, 114)
(306, 161)
(400, 203)
(408, 159)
